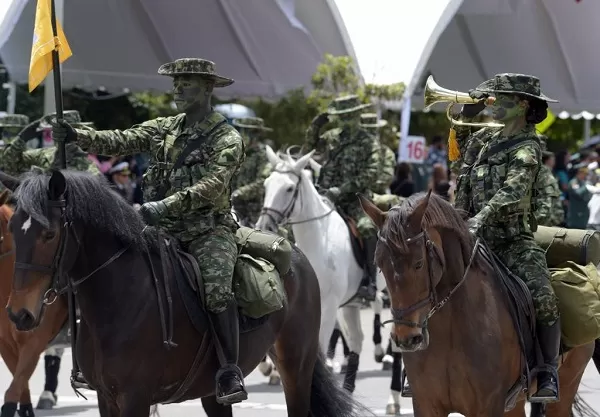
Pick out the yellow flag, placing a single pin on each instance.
(546, 123)
(43, 45)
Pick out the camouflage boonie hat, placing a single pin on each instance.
(251, 123)
(14, 120)
(370, 120)
(509, 83)
(346, 104)
(72, 117)
(194, 66)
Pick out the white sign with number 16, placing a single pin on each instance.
(412, 150)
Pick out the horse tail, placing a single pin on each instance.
(581, 408)
(329, 399)
(596, 355)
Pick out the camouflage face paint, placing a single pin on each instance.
(249, 135)
(191, 92)
(506, 107)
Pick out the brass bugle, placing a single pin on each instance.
(437, 94)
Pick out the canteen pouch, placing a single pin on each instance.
(577, 288)
(270, 246)
(562, 245)
(257, 286)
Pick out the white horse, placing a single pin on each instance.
(322, 234)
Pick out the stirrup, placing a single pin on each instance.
(405, 390)
(230, 372)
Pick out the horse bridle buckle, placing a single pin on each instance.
(50, 296)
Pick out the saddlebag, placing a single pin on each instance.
(270, 246)
(562, 245)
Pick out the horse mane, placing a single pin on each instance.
(286, 167)
(440, 215)
(91, 202)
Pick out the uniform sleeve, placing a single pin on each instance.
(543, 213)
(370, 171)
(137, 139)
(521, 170)
(250, 190)
(17, 158)
(389, 167)
(215, 176)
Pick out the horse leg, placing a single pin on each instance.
(333, 340)
(10, 357)
(265, 366)
(352, 330)
(106, 408)
(28, 359)
(25, 406)
(214, 409)
(377, 307)
(388, 359)
(328, 316)
(393, 405)
(346, 351)
(518, 411)
(52, 359)
(133, 405)
(569, 374)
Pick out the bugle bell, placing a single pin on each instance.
(437, 94)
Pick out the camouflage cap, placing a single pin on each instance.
(509, 83)
(346, 104)
(14, 120)
(370, 120)
(251, 123)
(195, 66)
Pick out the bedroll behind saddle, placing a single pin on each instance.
(577, 288)
(563, 245)
(264, 258)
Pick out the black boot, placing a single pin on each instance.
(547, 378)
(406, 391)
(230, 380)
(368, 287)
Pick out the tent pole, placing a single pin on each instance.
(587, 127)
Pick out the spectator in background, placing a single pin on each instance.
(104, 164)
(579, 197)
(120, 177)
(439, 183)
(403, 185)
(437, 153)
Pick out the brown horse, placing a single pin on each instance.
(21, 351)
(144, 337)
(452, 319)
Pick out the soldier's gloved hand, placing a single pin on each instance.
(332, 193)
(321, 120)
(153, 211)
(472, 110)
(30, 131)
(474, 224)
(63, 131)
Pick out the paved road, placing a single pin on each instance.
(264, 400)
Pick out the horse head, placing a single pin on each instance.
(414, 260)
(283, 189)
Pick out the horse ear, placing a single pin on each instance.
(4, 196)
(416, 217)
(9, 182)
(301, 163)
(57, 186)
(315, 166)
(272, 156)
(379, 217)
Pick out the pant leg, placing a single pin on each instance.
(216, 253)
(527, 260)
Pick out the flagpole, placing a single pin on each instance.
(58, 98)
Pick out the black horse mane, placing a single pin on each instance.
(91, 202)
(440, 214)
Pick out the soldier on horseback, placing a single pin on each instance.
(496, 186)
(187, 192)
(353, 167)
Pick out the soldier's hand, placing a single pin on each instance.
(321, 120)
(474, 225)
(472, 110)
(63, 131)
(30, 131)
(152, 212)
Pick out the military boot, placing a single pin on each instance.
(230, 380)
(368, 287)
(547, 378)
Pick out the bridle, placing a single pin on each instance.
(399, 314)
(56, 269)
(284, 216)
(8, 252)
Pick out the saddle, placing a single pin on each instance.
(355, 240)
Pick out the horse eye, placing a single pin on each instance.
(419, 264)
(48, 235)
(290, 189)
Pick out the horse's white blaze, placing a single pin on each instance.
(26, 225)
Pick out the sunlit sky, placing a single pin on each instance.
(388, 44)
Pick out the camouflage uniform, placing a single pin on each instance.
(353, 167)
(248, 184)
(18, 159)
(381, 197)
(497, 188)
(10, 126)
(549, 208)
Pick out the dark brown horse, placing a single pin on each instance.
(70, 228)
(451, 318)
(20, 351)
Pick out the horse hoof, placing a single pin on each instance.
(379, 358)
(392, 409)
(8, 410)
(265, 368)
(330, 364)
(343, 368)
(26, 410)
(274, 380)
(47, 401)
(387, 366)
